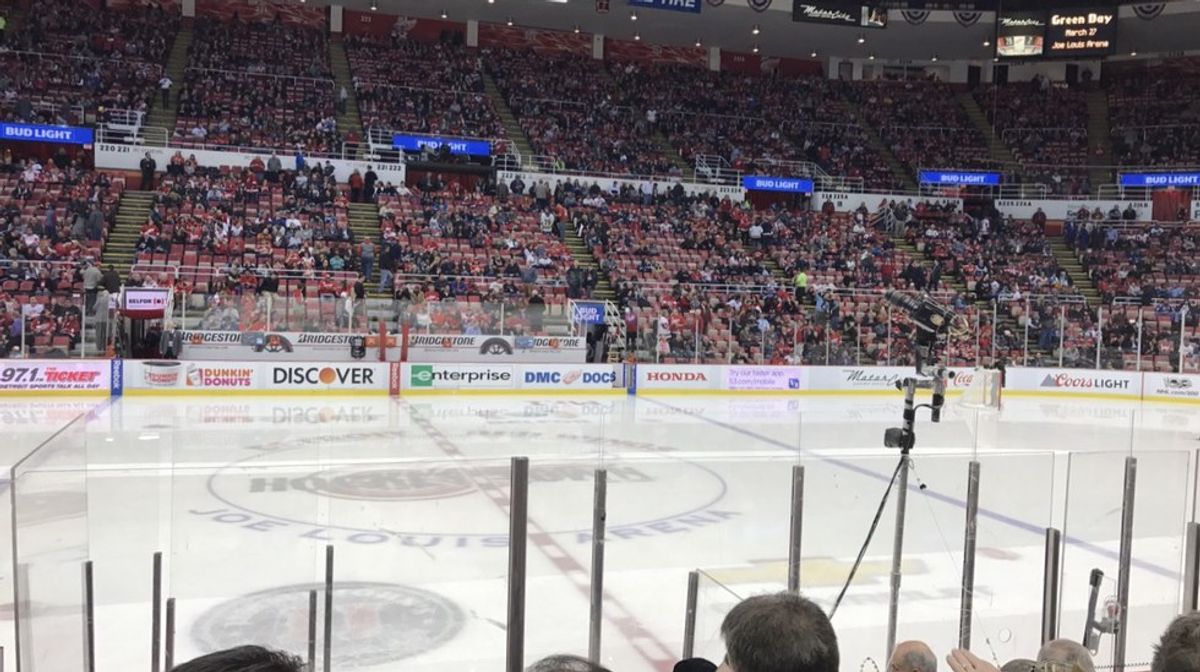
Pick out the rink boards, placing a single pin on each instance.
(102, 378)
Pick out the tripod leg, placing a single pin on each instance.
(897, 553)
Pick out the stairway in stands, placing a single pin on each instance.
(512, 128)
(120, 247)
(902, 175)
(586, 260)
(1070, 263)
(363, 219)
(164, 117)
(350, 120)
(997, 150)
(1099, 139)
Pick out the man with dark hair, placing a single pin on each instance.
(564, 663)
(1179, 648)
(780, 632)
(912, 657)
(244, 659)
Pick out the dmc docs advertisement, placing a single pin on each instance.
(59, 376)
(591, 378)
(499, 349)
(170, 377)
(281, 345)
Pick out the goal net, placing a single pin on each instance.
(984, 390)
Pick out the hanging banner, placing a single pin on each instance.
(790, 185)
(961, 178)
(65, 135)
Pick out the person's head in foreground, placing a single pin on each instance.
(1067, 656)
(244, 659)
(780, 632)
(912, 657)
(1179, 648)
(1020, 665)
(564, 663)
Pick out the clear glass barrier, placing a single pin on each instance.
(1092, 541)
(688, 509)
(246, 538)
(51, 543)
(714, 600)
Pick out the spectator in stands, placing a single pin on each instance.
(164, 88)
(1067, 653)
(92, 277)
(912, 657)
(780, 631)
(244, 659)
(369, 181)
(148, 165)
(564, 663)
(1020, 665)
(1179, 648)
(961, 660)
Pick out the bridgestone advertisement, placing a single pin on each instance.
(496, 349)
(279, 345)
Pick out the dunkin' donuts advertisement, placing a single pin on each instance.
(167, 375)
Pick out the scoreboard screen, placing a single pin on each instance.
(1081, 33)
(1058, 33)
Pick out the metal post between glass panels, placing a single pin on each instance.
(1051, 573)
(1126, 558)
(1025, 344)
(978, 329)
(1062, 333)
(689, 616)
(1099, 334)
(1183, 311)
(1191, 569)
(1139, 340)
(796, 529)
(517, 533)
(889, 336)
(599, 517)
(967, 597)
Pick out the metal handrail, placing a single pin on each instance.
(251, 73)
(155, 136)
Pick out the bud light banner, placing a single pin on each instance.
(1160, 180)
(961, 178)
(66, 135)
(456, 146)
(692, 6)
(790, 185)
(589, 312)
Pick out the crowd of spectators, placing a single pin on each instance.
(259, 84)
(434, 88)
(573, 111)
(1150, 112)
(71, 62)
(1045, 126)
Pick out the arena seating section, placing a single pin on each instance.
(71, 61)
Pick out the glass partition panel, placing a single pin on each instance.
(714, 600)
(849, 490)
(50, 541)
(1092, 542)
(1016, 504)
(248, 529)
(688, 509)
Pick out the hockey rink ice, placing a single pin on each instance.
(242, 496)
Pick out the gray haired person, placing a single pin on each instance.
(1066, 655)
(564, 663)
(912, 657)
(778, 632)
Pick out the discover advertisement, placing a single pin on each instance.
(91, 377)
(279, 345)
(233, 377)
(480, 349)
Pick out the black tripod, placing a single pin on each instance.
(930, 376)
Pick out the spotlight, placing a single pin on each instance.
(508, 22)
(862, 39)
(576, 29)
(987, 43)
(444, 14)
(813, 54)
(871, 57)
(637, 37)
(934, 59)
(698, 44)
(755, 30)
(633, 16)
(755, 49)
(1133, 53)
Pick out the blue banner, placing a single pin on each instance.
(67, 135)
(791, 185)
(1160, 180)
(588, 312)
(692, 6)
(961, 178)
(415, 143)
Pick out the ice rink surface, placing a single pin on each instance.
(243, 496)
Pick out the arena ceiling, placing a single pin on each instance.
(731, 26)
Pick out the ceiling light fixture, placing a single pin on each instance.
(987, 43)
(698, 44)
(755, 49)
(1133, 53)
(637, 36)
(813, 54)
(934, 59)
(871, 57)
(633, 16)
(862, 39)
(509, 21)
(755, 30)
(444, 14)
(577, 29)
